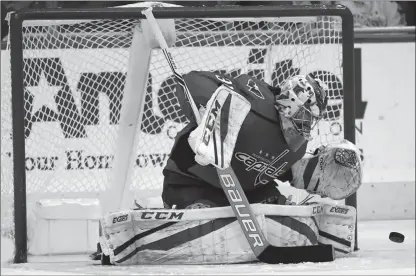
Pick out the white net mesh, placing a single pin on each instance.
(74, 79)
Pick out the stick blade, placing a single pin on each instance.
(298, 254)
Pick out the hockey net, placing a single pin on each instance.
(74, 75)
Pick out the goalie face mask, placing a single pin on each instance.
(301, 103)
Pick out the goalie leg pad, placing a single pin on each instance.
(337, 227)
(217, 241)
(184, 242)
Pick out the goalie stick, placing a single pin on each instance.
(262, 249)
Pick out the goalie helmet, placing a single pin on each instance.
(302, 101)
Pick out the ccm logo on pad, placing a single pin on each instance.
(317, 210)
(162, 215)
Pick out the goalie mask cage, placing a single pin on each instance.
(62, 95)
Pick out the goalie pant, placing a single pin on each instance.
(261, 153)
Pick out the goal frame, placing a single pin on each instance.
(17, 75)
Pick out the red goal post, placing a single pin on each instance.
(64, 144)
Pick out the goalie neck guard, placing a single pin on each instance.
(301, 104)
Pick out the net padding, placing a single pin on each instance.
(74, 75)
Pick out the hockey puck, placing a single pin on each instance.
(396, 237)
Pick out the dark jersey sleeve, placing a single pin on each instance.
(261, 153)
(203, 84)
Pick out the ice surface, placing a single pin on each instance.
(377, 256)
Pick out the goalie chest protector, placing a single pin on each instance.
(261, 153)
